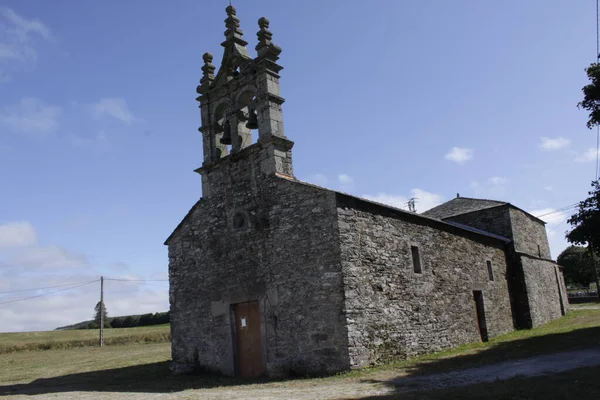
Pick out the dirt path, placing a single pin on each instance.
(340, 388)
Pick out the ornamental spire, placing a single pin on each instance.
(208, 74)
(266, 49)
(232, 23)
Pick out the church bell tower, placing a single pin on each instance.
(243, 96)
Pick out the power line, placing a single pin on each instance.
(42, 288)
(558, 210)
(47, 294)
(144, 283)
(136, 280)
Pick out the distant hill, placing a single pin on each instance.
(126, 321)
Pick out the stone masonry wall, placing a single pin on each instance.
(494, 220)
(286, 257)
(545, 290)
(393, 312)
(529, 233)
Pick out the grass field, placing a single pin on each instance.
(11, 342)
(140, 371)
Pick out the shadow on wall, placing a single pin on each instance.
(156, 377)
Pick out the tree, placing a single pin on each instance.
(591, 95)
(586, 221)
(97, 314)
(129, 322)
(578, 266)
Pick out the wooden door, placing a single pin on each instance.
(247, 328)
(480, 315)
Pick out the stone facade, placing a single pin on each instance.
(337, 282)
(285, 257)
(393, 312)
(536, 282)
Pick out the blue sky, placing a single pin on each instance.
(385, 99)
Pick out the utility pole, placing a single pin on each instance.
(591, 250)
(101, 311)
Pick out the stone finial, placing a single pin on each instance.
(232, 22)
(265, 46)
(264, 34)
(208, 74)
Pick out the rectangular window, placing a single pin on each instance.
(416, 258)
(490, 270)
(539, 251)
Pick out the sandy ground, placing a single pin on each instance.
(347, 389)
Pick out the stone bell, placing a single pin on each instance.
(252, 119)
(226, 138)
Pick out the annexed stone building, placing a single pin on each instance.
(272, 275)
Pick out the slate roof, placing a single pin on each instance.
(461, 205)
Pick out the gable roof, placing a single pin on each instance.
(407, 215)
(461, 205)
(423, 218)
(465, 205)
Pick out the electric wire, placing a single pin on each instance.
(558, 210)
(136, 280)
(147, 284)
(42, 288)
(49, 293)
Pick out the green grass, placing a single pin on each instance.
(144, 368)
(577, 384)
(578, 329)
(22, 341)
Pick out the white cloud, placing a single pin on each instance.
(18, 40)
(498, 180)
(459, 155)
(494, 188)
(424, 200)
(76, 305)
(346, 182)
(548, 188)
(50, 257)
(31, 117)
(113, 107)
(554, 144)
(17, 234)
(318, 179)
(589, 155)
(345, 179)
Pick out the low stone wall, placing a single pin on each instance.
(545, 292)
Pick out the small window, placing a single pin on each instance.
(239, 221)
(490, 270)
(539, 251)
(416, 257)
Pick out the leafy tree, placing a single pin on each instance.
(116, 323)
(578, 266)
(585, 222)
(591, 95)
(101, 306)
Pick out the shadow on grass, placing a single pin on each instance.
(576, 384)
(156, 377)
(452, 376)
(146, 378)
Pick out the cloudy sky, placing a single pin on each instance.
(387, 100)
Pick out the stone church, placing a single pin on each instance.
(272, 275)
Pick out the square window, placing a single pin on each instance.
(416, 258)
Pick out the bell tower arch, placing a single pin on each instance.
(243, 96)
